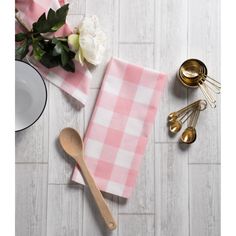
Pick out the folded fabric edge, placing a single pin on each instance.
(77, 178)
(138, 65)
(57, 80)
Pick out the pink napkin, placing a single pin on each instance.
(121, 122)
(76, 84)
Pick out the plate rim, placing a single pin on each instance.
(46, 97)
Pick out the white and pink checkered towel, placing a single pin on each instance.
(76, 84)
(121, 122)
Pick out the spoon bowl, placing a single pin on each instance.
(189, 135)
(172, 116)
(71, 142)
(176, 126)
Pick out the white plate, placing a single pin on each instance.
(31, 95)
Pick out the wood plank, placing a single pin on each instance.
(31, 145)
(75, 20)
(93, 224)
(170, 52)
(171, 187)
(65, 111)
(31, 199)
(204, 44)
(76, 7)
(137, 225)
(65, 211)
(136, 21)
(140, 54)
(107, 12)
(204, 190)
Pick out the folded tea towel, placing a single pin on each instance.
(121, 122)
(76, 84)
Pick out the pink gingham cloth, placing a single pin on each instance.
(76, 84)
(121, 122)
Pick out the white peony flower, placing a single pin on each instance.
(89, 25)
(89, 42)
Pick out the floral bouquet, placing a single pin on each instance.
(86, 43)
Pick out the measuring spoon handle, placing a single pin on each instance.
(100, 201)
(188, 107)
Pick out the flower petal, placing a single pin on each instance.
(79, 57)
(89, 25)
(73, 42)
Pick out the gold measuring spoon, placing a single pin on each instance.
(176, 125)
(72, 144)
(190, 134)
(174, 115)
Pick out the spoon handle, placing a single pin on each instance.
(102, 206)
(187, 108)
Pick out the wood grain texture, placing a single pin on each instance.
(93, 224)
(204, 189)
(170, 52)
(138, 225)
(204, 43)
(65, 211)
(32, 143)
(76, 7)
(136, 21)
(107, 12)
(140, 54)
(65, 111)
(171, 188)
(31, 199)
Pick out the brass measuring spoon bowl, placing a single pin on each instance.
(190, 134)
(176, 125)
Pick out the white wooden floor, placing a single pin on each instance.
(178, 190)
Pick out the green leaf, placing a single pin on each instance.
(70, 66)
(20, 37)
(51, 15)
(40, 26)
(57, 50)
(38, 51)
(49, 61)
(64, 58)
(54, 20)
(62, 49)
(54, 40)
(22, 50)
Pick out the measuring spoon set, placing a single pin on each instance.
(191, 113)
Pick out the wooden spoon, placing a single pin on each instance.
(72, 144)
